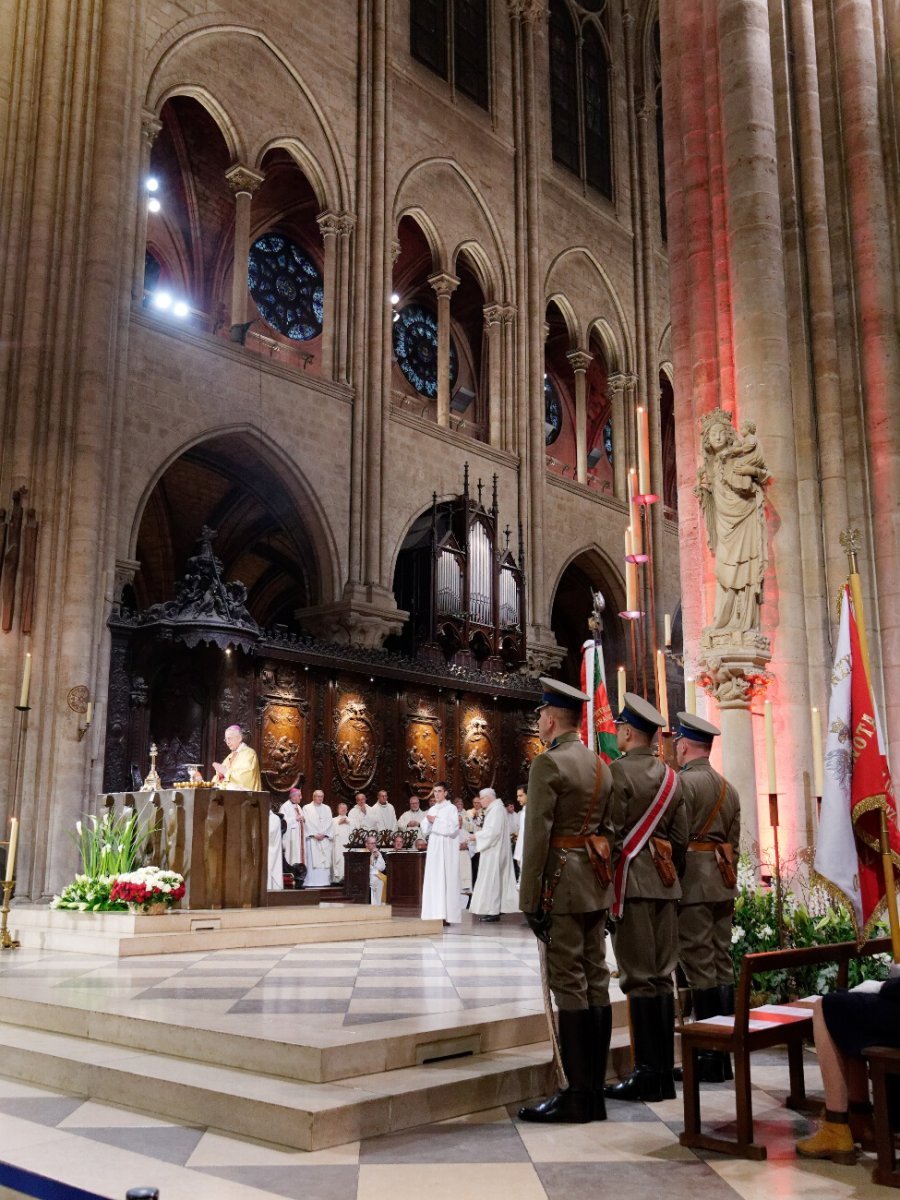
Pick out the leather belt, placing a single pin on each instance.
(575, 842)
(710, 846)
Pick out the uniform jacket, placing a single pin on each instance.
(560, 786)
(637, 776)
(700, 786)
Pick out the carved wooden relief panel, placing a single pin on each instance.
(423, 752)
(283, 737)
(477, 753)
(354, 746)
(531, 746)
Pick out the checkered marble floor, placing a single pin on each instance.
(332, 986)
(634, 1154)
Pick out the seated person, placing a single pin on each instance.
(844, 1023)
(397, 843)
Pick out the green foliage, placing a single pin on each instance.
(813, 920)
(86, 894)
(109, 846)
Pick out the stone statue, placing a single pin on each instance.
(730, 489)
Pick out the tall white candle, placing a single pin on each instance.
(26, 682)
(88, 716)
(667, 623)
(11, 848)
(690, 695)
(661, 685)
(643, 451)
(631, 601)
(634, 512)
(620, 676)
(818, 757)
(770, 749)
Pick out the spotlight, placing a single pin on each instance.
(180, 309)
(162, 300)
(151, 183)
(153, 205)
(395, 299)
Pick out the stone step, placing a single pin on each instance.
(249, 1103)
(127, 935)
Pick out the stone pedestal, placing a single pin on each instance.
(364, 616)
(733, 670)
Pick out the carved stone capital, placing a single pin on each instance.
(150, 127)
(733, 666)
(329, 224)
(396, 249)
(364, 616)
(508, 313)
(493, 315)
(529, 12)
(346, 224)
(243, 180)
(443, 284)
(544, 652)
(580, 360)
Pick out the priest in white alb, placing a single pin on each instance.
(318, 823)
(495, 891)
(292, 811)
(342, 830)
(384, 815)
(413, 818)
(441, 897)
(361, 814)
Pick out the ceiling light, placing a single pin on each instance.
(151, 183)
(180, 309)
(395, 299)
(162, 300)
(153, 205)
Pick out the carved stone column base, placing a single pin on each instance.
(364, 616)
(733, 669)
(544, 652)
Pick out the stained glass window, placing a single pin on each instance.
(415, 349)
(451, 37)
(553, 416)
(286, 287)
(580, 115)
(563, 87)
(597, 131)
(608, 439)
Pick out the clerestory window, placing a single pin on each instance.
(580, 112)
(451, 38)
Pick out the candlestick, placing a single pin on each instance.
(11, 850)
(26, 682)
(818, 757)
(620, 677)
(661, 693)
(89, 714)
(690, 695)
(634, 510)
(631, 587)
(643, 451)
(667, 623)
(770, 749)
(629, 548)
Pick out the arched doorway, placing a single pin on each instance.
(572, 605)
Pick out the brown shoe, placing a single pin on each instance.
(831, 1141)
(862, 1127)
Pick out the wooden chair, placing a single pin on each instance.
(758, 1029)
(884, 1062)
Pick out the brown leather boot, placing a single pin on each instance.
(833, 1140)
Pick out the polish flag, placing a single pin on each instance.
(598, 732)
(857, 786)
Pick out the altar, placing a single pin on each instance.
(217, 839)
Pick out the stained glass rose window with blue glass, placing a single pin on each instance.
(553, 416)
(415, 349)
(608, 439)
(286, 287)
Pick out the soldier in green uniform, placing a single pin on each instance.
(706, 909)
(650, 840)
(569, 792)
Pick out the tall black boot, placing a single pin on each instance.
(726, 1008)
(705, 1003)
(601, 1033)
(643, 1083)
(575, 1105)
(667, 1046)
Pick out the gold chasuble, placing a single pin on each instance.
(242, 770)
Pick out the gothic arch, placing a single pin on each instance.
(469, 217)
(576, 273)
(478, 260)
(584, 571)
(439, 257)
(223, 119)
(305, 507)
(568, 314)
(612, 350)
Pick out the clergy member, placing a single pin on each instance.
(495, 889)
(292, 811)
(342, 830)
(522, 798)
(413, 818)
(318, 822)
(361, 814)
(276, 865)
(240, 770)
(440, 891)
(377, 870)
(384, 816)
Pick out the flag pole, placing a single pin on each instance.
(850, 542)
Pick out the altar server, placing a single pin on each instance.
(440, 892)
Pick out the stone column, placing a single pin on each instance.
(243, 182)
(328, 227)
(444, 286)
(580, 360)
(615, 385)
(493, 317)
(762, 372)
(874, 279)
(346, 224)
(150, 127)
(508, 435)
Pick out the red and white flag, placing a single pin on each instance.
(598, 731)
(857, 786)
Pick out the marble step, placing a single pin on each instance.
(127, 935)
(303, 1116)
